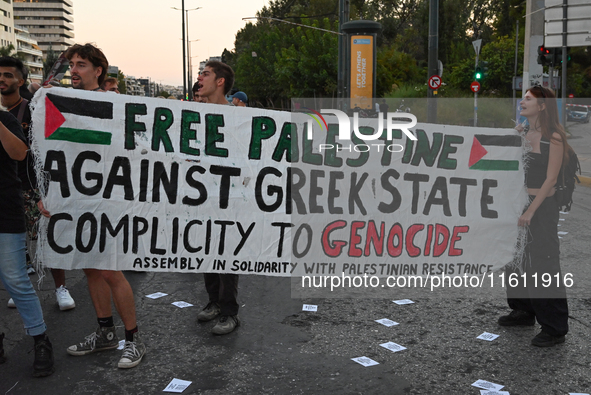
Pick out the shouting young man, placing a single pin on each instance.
(215, 81)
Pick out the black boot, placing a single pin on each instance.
(43, 365)
(2, 357)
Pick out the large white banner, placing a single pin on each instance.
(136, 183)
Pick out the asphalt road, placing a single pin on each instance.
(280, 349)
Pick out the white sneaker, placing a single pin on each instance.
(11, 304)
(64, 300)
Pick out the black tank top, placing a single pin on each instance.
(537, 166)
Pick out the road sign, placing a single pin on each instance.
(475, 86)
(434, 82)
(477, 44)
(571, 96)
(577, 23)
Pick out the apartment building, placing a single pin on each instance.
(50, 22)
(30, 53)
(6, 23)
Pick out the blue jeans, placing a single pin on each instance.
(13, 274)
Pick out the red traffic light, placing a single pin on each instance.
(543, 50)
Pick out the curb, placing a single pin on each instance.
(585, 181)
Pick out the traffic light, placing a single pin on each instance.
(480, 70)
(544, 55)
(483, 68)
(557, 56)
(477, 73)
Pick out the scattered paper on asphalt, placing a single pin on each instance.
(561, 219)
(577, 393)
(487, 385)
(562, 233)
(177, 385)
(488, 336)
(182, 304)
(310, 307)
(365, 361)
(387, 322)
(121, 345)
(563, 212)
(156, 295)
(403, 301)
(487, 392)
(393, 346)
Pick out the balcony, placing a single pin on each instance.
(30, 51)
(36, 77)
(66, 6)
(30, 64)
(25, 39)
(61, 15)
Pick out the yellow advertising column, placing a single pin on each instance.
(361, 73)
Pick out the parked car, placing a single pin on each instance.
(579, 114)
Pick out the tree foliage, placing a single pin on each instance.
(276, 61)
(8, 50)
(500, 55)
(50, 59)
(121, 83)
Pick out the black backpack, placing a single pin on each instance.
(565, 185)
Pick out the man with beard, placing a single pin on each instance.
(13, 272)
(12, 78)
(88, 68)
(214, 82)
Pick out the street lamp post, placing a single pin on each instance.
(184, 67)
(185, 27)
(190, 61)
(190, 74)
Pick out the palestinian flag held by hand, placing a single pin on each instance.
(486, 149)
(79, 112)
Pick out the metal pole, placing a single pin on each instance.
(184, 54)
(564, 58)
(342, 58)
(476, 94)
(432, 62)
(515, 72)
(189, 86)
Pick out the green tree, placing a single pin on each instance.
(121, 83)
(50, 58)
(8, 50)
(308, 67)
(500, 55)
(394, 67)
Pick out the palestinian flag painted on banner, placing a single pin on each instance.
(482, 158)
(56, 106)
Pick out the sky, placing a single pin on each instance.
(144, 38)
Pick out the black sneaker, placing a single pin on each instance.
(105, 338)
(544, 339)
(2, 357)
(226, 324)
(210, 311)
(518, 318)
(43, 365)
